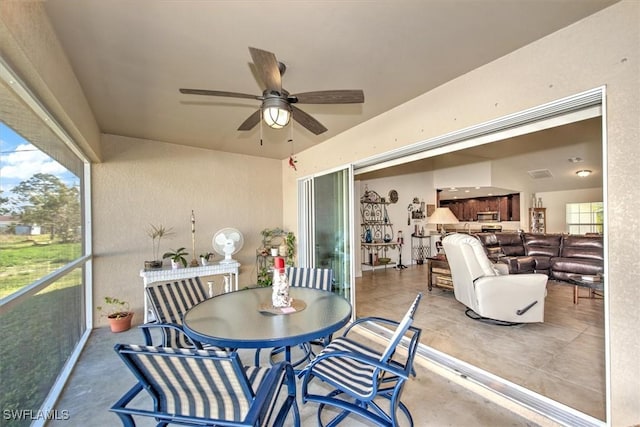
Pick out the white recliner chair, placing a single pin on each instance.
(487, 289)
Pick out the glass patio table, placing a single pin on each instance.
(241, 319)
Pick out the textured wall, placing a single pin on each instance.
(29, 45)
(142, 182)
(601, 50)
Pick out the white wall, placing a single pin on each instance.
(556, 202)
(471, 175)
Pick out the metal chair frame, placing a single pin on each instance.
(196, 387)
(169, 302)
(360, 375)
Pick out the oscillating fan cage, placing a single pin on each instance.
(227, 242)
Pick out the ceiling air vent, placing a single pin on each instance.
(540, 173)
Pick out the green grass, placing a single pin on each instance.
(23, 260)
(41, 331)
(38, 336)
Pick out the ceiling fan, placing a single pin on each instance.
(277, 109)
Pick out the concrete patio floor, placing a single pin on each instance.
(434, 397)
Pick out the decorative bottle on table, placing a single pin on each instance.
(280, 288)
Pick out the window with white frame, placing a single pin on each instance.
(45, 252)
(585, 218)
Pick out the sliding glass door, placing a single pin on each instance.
(325, 226)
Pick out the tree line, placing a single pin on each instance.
(48, 202)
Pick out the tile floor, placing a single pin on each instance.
(562, 358)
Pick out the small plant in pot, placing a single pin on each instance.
(156, 232)
(177, 256)
(205, 258)
(117, 312)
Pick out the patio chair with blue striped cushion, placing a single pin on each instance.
(362, 376)
(169, 302)
(316, 278)
(198, 387)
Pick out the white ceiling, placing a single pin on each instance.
(550, 150)
(132, 56)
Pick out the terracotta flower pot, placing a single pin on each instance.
(119, 323)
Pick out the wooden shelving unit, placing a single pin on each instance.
(538, 220)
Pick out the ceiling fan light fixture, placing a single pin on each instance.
(276, 113)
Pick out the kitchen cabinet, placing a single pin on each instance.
(515, 207)
(509, 207)
(504, 208)
(466, 209)
(472, 208)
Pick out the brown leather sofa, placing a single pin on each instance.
(556, 255)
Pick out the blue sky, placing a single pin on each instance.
(19, 161)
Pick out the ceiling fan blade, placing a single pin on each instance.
(251, 121)
(219, 93)
(307, 121)
(330, 97)
(267, 66)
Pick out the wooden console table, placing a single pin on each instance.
(230, 270)
(439, 274)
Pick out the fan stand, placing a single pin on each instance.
(227, 259)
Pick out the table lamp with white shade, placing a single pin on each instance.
(441, 217)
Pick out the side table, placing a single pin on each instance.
(593, 283)
(438, 273)
(419, 251)
(230, 270)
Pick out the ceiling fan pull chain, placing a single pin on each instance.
(292, 161)
(291, 135)
(261, 133)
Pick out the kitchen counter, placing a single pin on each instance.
(476, 227)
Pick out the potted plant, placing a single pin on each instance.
(286, 247)
(177, 257)
(205, 257)
(290, 242)
(265, 277)
(118, 313)
(156, 232)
